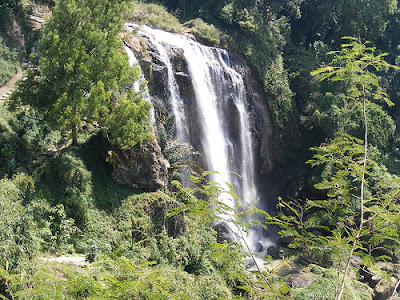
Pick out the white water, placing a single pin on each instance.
(140, 86)
(217, 86)
(173, 88)
(249, 190)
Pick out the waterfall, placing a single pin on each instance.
(140, 86)
(226, 144)
(173, 89)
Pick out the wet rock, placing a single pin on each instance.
(259, 247)
(260, 115)
(223, 233)
(186, 87)
(249, 262)
(275, 252)
(301, 280)
(382, 291)
(259, 112)
(284, 241)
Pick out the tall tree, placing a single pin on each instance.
(355, 64)
(82, 68)
(327, 21)
(360, 212)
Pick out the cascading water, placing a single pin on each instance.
(138, 85)
(218, 88)
(173, 88)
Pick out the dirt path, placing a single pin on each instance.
(9, 86)
(37, 18)
(76, 260)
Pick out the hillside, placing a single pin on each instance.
(227, 150)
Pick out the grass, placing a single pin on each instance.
(156, 16)
(107, 194)
(205, 31)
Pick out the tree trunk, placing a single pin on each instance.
(74, 135)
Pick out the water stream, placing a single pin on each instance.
(226, 139)
(140, 86)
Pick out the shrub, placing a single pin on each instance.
(18, 242)
(156, 16)
(8, 62)
(22, 136)
(54, 228)
(205, 31)
(69, 183)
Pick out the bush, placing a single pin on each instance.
(18, 242)
(142, 220)
(22, 137)
(68, 182)
(8, 62)
(206, 32)
(156, 16)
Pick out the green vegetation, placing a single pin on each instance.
(206, 32)
(22, 137)
(358, 216)
(162, 244)
(324, 288)
(8, 62)
(156, 16)
(83, 72)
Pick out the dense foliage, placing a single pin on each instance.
(82, 73)
(162, 245)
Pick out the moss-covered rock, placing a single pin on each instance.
(327, 285)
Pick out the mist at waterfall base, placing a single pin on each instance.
(225, 143)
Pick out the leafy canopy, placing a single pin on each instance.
(82, 69)
(358, 216)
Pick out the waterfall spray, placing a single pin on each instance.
(218, 87)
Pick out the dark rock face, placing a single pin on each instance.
(276, 252)
(140, 167)
(257, 106)
(175, 225)
(223, 233)
(269, 184)
(260, 115)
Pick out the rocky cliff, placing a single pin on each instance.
(257, 106)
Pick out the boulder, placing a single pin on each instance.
(140, 167)
(302, 280)
(284, 241)
(223, 233)
(275, 252)
(249, 262)
(382, 291)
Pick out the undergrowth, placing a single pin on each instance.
(8, 62)
(156, 16)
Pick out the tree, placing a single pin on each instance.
(82, 68)
(359, 215)
(328, 20)
(355, 64)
